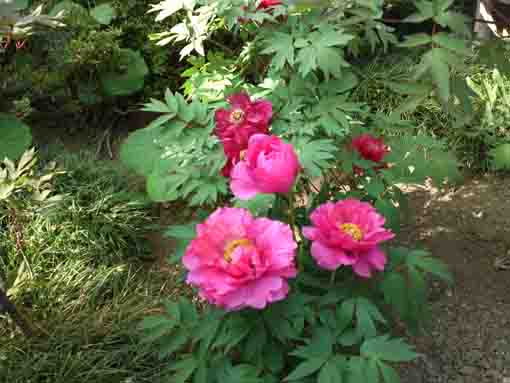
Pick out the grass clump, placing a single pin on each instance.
(81, 276)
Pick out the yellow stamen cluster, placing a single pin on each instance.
(353, 230)
(233, 245)
(237, 115)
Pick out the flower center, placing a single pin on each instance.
(237, 115)
(353, 230)
(233, 245)
(242, 155)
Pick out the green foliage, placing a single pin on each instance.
(331, 327)
(325, 332)
(103, 13)
(501, 156)
(16, 137)
(130, 80)
(176, 154)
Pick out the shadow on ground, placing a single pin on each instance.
(469, 229)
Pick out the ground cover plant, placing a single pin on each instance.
(77, 271)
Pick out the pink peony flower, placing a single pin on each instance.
(268, 166)
(347, 233)
(236, 125)
(238, 261)
(268, 3)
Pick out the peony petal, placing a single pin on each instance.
(261, 113)
(242, 184)
(310, 233)
(328, 258)
(376, 258)
(362, 268)
(239, 100)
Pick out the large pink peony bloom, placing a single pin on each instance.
(236, 125)
(237, 261)
(347, 233)
(268, 166)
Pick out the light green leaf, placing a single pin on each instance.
(452, 43)
(390, 350)
(15, 137)
(181, 231)
(139, 152)
(103, 13)
(281, 45)
(409, 88)
(416, 40)
(440, 72)
(501, 157)
(259, 205)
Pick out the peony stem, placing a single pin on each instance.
(293, 226)
(332, 279)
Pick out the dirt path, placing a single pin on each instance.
(469, 340)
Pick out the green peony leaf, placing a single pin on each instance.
(15, 137)
(332, 371)
(129, 79)
(390, 350)
(258, 205)
(501, 157)
(306, 368)
(139, 153)
(103, 13)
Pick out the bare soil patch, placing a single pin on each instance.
(469, 229)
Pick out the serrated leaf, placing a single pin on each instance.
(281, 45)
(306, 368)
(315, 155)
(258, 205)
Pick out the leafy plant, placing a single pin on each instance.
(293, 119)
